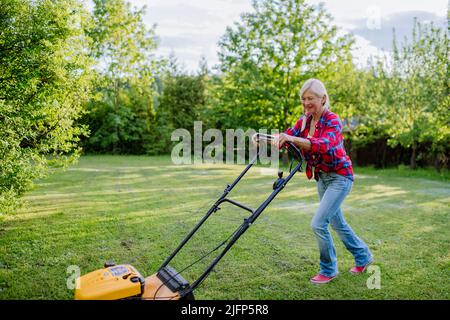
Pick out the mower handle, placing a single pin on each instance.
(296, 151)
(278, 186)
(257, 137)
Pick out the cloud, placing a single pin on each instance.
(181, 13)
(378, 30)
(187, 40)
(192, 29)
(185, 17)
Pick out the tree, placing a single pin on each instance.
(415, 92)
(268, 55)
(121, 117)
(44, 84)
(181, 102)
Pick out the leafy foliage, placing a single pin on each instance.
(121, 116)
(412, 92)
(44, 83)
(182, 101)
(66, 73)
(266, 58)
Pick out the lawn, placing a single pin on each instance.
(136, 209)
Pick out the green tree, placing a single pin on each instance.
(181, 102)
(121, 117)
(415, 101)
(44, 84)
(268, 55)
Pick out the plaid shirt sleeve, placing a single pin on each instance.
(295, 130)
(330, 137)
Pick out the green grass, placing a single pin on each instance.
(136, 210)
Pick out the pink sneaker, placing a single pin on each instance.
(321, 279)
(360, 269)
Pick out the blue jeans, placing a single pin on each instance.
(333, 188)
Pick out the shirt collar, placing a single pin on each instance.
(321, 120)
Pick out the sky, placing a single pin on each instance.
(191, 29)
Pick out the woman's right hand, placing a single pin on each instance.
(283, 138)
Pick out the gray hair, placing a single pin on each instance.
(317, 88)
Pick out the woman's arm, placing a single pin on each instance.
(302, 143)
(330, 138)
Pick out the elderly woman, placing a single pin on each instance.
(319, 136)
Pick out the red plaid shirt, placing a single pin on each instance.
(327, 146)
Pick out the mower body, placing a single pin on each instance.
(125, 282)
(115, 282)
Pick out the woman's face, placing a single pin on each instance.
(312, 103)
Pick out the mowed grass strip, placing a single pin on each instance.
(136, 209)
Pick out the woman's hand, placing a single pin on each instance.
(255, 140)
(282, 138)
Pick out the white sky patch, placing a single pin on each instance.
(363, 50)
(356, 9)
(192, 29)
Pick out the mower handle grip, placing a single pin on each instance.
(262, 136)
(269, 138)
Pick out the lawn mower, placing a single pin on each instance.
(125, 282)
